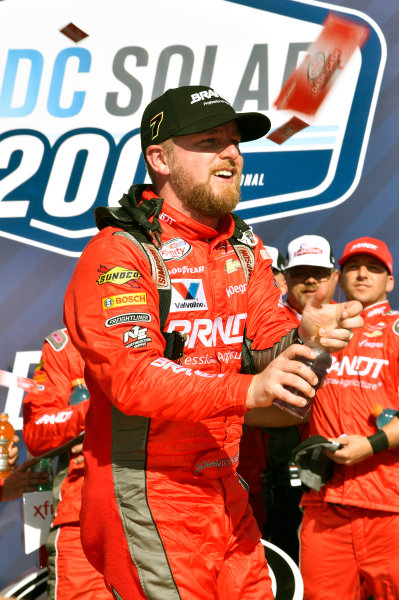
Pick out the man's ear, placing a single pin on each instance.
(157, 159)
(390, 284)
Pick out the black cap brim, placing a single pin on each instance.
(252, 126)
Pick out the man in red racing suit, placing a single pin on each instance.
(164, 515)
(50, 421)
(350, 529)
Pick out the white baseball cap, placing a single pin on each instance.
(312, 250)
(277, 258)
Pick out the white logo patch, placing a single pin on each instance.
(188, 294)
(175, 249)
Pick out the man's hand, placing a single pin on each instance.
(355, 449)
(283, 371)
(22, 480)
(13, 452)
(78, 450)
(330, 324)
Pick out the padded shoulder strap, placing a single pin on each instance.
(243, 241)
(159, 272)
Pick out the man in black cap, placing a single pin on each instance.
(164, 515)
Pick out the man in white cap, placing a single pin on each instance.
(309, 262)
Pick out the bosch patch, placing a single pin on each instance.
(124, 300)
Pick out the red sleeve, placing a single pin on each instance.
(267, 320)
(138, 380)
(49, 421)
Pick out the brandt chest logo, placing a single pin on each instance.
(70, 140)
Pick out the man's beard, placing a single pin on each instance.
(200, 197)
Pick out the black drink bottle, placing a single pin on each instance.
(319, 366)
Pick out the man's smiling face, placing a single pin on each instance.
(205, 169)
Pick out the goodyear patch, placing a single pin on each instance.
(124, 300)
(395, 327)
(118, 276)
(128, 318)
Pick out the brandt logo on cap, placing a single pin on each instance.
(203, 95)
(364, 245)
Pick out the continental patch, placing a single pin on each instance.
(232, 265)
(175, 249)
(118, 276)
(124, 300)
(395, 327)
(128, 318)
(136, 337)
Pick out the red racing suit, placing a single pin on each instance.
(49, 422)
(164, 514)
(364, 374)
(363, 496)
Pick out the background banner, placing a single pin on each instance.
(74, 79)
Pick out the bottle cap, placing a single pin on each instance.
(79, 381)
(376, 410)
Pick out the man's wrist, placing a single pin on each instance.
(378, 441)
(298, 338)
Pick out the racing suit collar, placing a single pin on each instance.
(190, 229)
(379, 308)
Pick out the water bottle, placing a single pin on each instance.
(45, 465)
(6, 436)
(319, 366)
(382, 415)
(79, 392)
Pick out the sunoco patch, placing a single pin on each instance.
(118, 276)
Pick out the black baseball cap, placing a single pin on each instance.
(192, 109)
